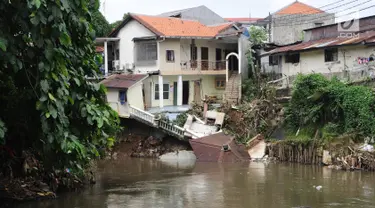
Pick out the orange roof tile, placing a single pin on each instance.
(176, 27)
(299, 8)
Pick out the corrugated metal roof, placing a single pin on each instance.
(122, 81)
(367, 37)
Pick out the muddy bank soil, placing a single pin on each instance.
(147, 146)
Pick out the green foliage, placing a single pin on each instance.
(250, 90)
(114, 25)
(100, 24)
(329, 104)
(181, 120)
(46, 101)
(258, 35)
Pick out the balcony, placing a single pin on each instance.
(199, 67)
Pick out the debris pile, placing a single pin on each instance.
(260, 116)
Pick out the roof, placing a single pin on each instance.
(218, 140)
(363, 38)
(298, 8)
(123, 81)
(99, 49)
(175, 27)
(242, 19)
(177, 12)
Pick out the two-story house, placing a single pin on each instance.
(330, 50)
(185, 60)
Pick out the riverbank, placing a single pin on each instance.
(342, 155)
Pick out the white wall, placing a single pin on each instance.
(135, 96)
(207, 87)
(313, 61)
(126, 45)
(182, 51)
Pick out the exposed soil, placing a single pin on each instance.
(147, 147)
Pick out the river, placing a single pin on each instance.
(138, 183)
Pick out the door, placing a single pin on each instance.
(175, 93)
(204, 58)
(197, 91)
(219, 64)
(185, 92)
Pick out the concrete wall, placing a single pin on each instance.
(288, 29)
(313, 61)
(126, 45)
(134, 98)
(207, 87)
(182, 51)
(244, 47)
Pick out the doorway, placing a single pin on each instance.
(232, 61)
(175, 93)
(218, 64)
(204, 58)
(185, 92)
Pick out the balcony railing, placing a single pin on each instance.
(204, 65)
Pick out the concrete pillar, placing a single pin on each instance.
(105, 59)
(179, 90)
(161, 99)
(227, 69)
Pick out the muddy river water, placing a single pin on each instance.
(138, 183)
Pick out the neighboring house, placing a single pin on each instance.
(286, 26)
(121, 87)
(186, 60)
(245, 22)
(329, 51)
(201, 13)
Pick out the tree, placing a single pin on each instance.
(46, 102)
(100, 24)
(118, 22)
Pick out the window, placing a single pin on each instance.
(331, 55)
(165, 91)
(292, 58)
(220, 83)
(170, 55)
(146, 51)
(122, 97)
(273, 60)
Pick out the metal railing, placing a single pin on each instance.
(141, 114)
(176, 130)
(204, 65)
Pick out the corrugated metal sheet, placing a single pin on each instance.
(210, 149)
(367, 37)
(122, 81)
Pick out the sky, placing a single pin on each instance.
(114, 9)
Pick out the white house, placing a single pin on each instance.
(329, 51)
(185, 60)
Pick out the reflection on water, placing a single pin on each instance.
(150, 183)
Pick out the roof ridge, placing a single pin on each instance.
(299, 12)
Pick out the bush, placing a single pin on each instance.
(338, 108)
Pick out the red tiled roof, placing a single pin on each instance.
(299, 8)
(122, 81)
(366, 37)
(176, 27)
(242, 19)
(99, 49)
